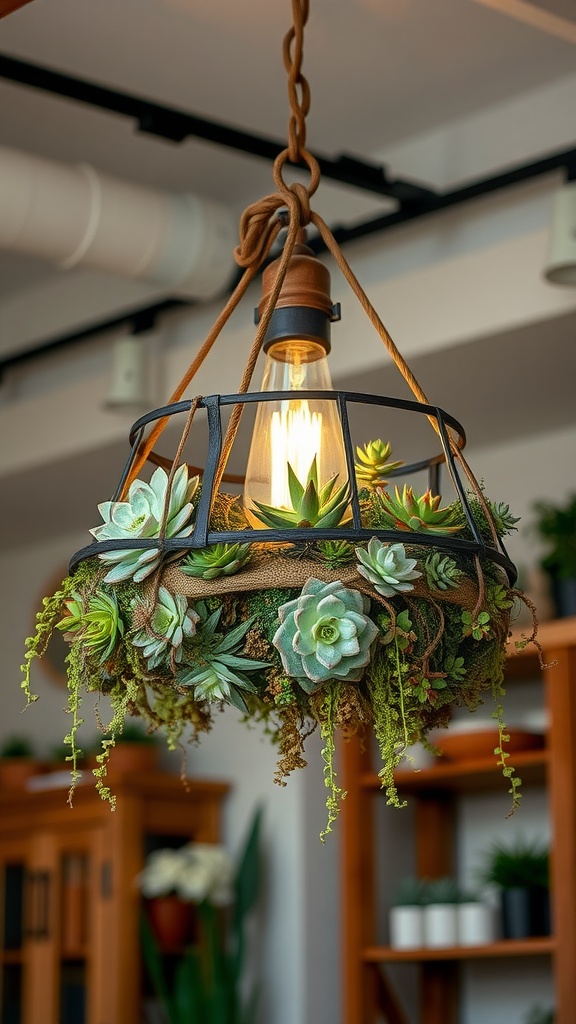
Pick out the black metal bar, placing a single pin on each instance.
(177, 125)
(563, 159)
(356, 517)
(129, 461)
(199, 538)
(133, 317)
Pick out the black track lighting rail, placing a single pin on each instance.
(415, 201)
(176, 125)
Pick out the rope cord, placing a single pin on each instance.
(260, 224)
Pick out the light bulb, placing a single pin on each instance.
(293, 431)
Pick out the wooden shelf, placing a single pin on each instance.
(507, 947)
(434, 794)
(466, 776)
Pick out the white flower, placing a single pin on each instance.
(160, 876)
(196, 872)
(208, 874)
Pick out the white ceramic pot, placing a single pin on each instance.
(406, 927)
(476, 924)
(440, 925)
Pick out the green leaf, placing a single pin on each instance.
(313, 473)
(246, 886)
(189, 991)
(403, 621)
(309, 506)
(237, 701)
(295, 487)
(274, 518)
(155, 967)
(235, 636)
(326, 491)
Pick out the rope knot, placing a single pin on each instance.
(258, 227)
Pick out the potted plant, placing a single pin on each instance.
(406, 922)
(206, 981)
(538, 1014)
(441, 898)
(476, 924)
(556, 525)
(134, 750)
(520, 871)
(18, 762)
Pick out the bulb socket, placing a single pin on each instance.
(304, 308)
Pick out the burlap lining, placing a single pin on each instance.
(263, 573)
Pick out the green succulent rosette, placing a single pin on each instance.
(325, 634)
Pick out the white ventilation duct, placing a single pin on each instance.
(73, 216)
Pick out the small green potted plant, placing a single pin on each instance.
(520, 871)
(406, 924)
(18, 762)
(476, 920)
(441, 899)
(556, 526)
(538, 1014)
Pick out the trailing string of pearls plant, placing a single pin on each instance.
(325, 597)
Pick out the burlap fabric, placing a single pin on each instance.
(265, 572)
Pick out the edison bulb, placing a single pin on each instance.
(293, 431)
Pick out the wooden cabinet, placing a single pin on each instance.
(69, 906)
(368, 995)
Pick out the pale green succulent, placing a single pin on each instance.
(374, 465)
(98, 625)
(409, 511)
(387, 567)
(320, 507)
(324, 634)
(141, 516)
(218, 560)
(214, 669)
(172, 622)
(441, 571)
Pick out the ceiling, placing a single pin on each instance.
(380, 71)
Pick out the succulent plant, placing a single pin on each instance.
(141, 516)
(335, 553)
(162, 638)
(387, 567)
(476, 628)
(214, 668)
(98, 625)
(324, 634)
(217, 560)
(441, 571)
(312, 505)
(374, 464)
(442, 890)
(72, 619)
(504, 521)
(408, 511)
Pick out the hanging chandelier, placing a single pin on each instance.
(324, 596)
